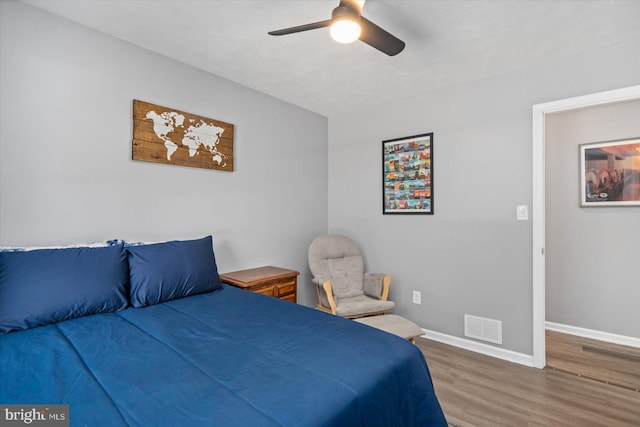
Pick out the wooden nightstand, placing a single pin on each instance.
(273, 281)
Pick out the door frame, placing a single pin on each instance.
(538, 209)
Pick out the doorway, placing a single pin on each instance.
(538, 208)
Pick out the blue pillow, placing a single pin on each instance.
(170, 270)
(43, 286)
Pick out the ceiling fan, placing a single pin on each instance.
(347, 25)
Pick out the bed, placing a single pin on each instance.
(218, 357)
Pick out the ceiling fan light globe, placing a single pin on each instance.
(345, 31)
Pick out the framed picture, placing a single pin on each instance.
(407, 175)
(610, 173)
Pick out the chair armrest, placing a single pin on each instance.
(376, 285)
(325, 294)
(325, 288)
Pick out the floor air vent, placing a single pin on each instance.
(483, 329)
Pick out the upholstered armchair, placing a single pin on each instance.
(343, 287)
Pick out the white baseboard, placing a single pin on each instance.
(487, 350)
(594, 335)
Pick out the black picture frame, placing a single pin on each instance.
(407, 175)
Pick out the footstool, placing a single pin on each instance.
(393, 324)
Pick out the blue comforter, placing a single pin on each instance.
(226, 358)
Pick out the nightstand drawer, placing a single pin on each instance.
(264, 290)
(283, 289)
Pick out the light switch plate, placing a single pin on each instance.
(522, 212)
(417, 297)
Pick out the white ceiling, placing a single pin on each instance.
(448, 42)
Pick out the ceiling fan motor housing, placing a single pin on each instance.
(344, 12)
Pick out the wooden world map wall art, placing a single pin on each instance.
(166, 135)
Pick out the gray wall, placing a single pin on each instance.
(472, 256)
(66, 173)
(592, 254)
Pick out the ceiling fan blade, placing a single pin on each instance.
(382, 40)
(301, 28)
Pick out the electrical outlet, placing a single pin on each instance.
(417, 297)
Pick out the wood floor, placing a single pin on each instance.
(477, 390)
(610, 363)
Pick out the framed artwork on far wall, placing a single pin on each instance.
(610, 173)
(407, 175)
